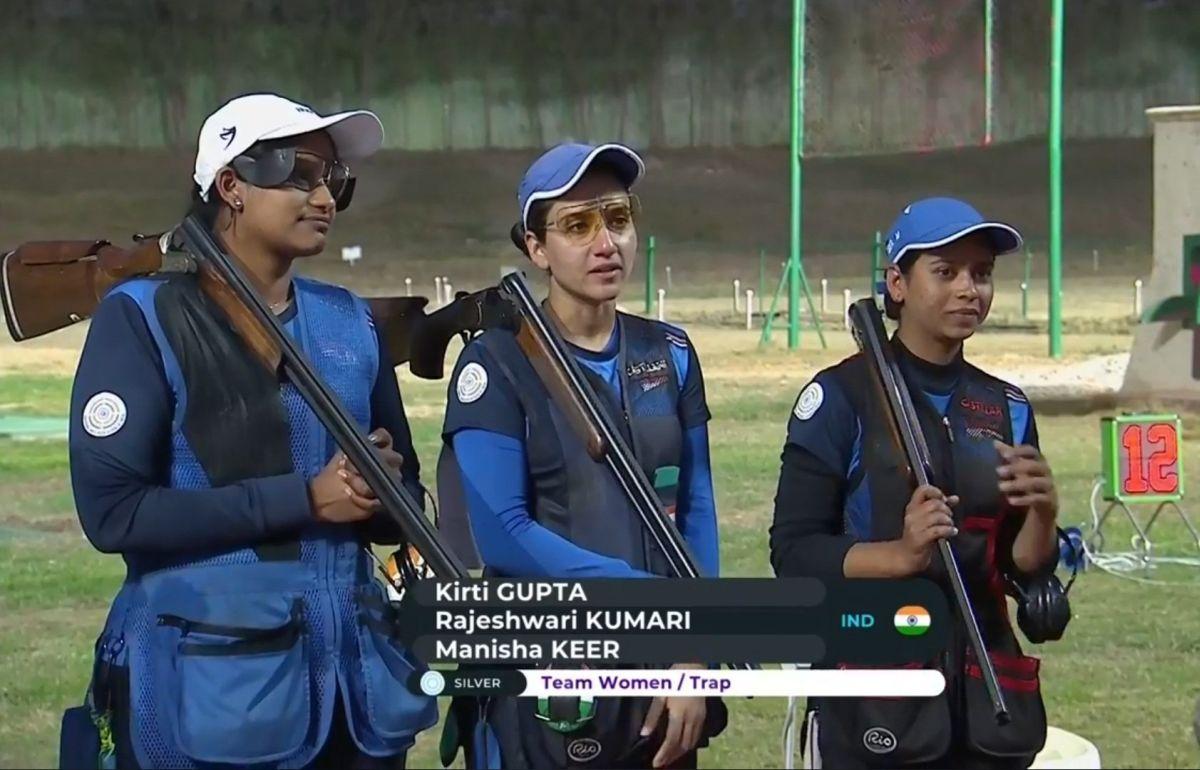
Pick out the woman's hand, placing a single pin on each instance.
(685, 722)
(1027, 484)
(340, 494)
(1026, 480)
(361, 493)
(927, 519)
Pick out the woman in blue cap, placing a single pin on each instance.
(538, 505)
(844, 509)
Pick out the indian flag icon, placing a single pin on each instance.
(912, 620)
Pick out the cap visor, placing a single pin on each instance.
(1004, 238)
(355, 134)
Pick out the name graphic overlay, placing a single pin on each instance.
(600, 638)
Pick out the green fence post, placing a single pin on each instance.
(1054, 266)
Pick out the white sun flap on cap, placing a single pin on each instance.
(579, 172)
(962, 234)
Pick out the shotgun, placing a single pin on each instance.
(255, 320)
(49, 285)
(892, 390)
(573, 393)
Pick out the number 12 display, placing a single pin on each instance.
(1140, 456)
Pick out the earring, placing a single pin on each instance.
(237, 204)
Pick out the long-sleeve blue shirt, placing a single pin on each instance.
(496, 485)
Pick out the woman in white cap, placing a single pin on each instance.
(248, 630)
(844, 508)
(537, 504)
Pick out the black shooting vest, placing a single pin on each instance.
(571, 494)
(579, 499)
(965, 462)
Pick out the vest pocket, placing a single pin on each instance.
(240, 692)
(382, 697)
(608, 738)
(885, 732)
(1025, 734)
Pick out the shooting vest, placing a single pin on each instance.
(237, 657)
(965, 461)
(578, 498)
(571, 494)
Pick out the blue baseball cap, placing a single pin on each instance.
(559, 168)
(933, 222)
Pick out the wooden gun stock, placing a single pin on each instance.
(49, 285)
(264, 346)
(541, 358)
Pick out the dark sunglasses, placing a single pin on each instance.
(298, 169)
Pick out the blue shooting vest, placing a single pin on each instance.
(236, 658)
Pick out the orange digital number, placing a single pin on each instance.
(1164, 478)
(1135, 479)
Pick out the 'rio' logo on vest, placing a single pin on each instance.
(879, 740)
(583, 749)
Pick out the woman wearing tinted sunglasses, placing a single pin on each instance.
(538, 506)
(249, 630)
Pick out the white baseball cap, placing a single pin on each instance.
(241, 122)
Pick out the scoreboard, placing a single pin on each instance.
(1140, 458)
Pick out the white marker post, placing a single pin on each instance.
(669, 286)
(408, 287)
(351, 254)
(737, 295)
(1137, 298)
(824, 296)
(749, 309)
(446, 287)
(662, 304)
(846, 308)
(437, 290)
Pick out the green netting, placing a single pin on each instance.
(883, 75)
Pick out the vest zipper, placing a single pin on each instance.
(949, 432)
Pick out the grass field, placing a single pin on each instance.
(1126, 676)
